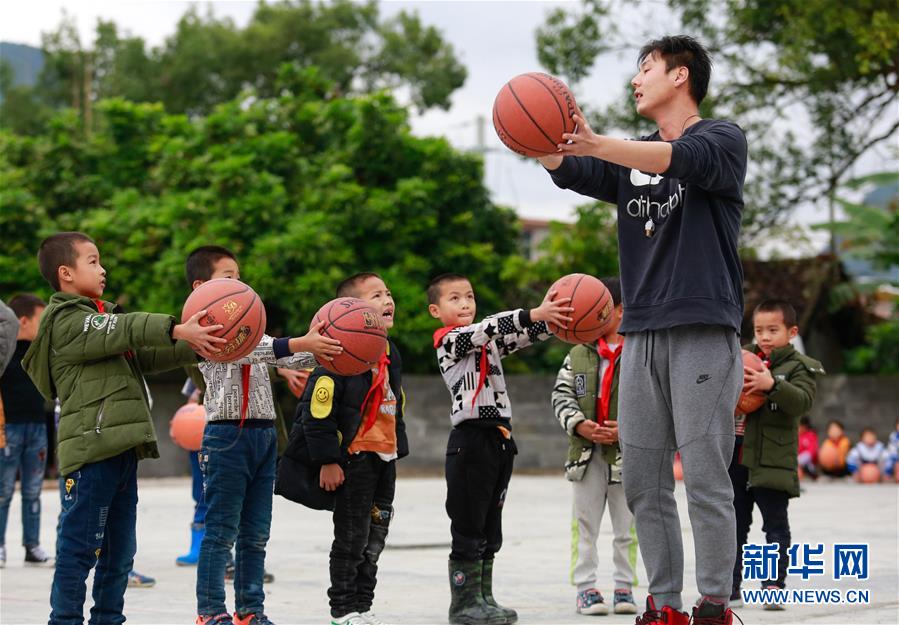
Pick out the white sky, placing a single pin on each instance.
(494, 40)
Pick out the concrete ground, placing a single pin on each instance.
(531, 570)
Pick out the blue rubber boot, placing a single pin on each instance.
(197, 531)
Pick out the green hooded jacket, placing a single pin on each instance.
(771, 440)
(94, 363)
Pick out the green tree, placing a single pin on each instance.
(209, 60)
(813, 83)
(305, 187)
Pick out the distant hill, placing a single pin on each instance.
(26, 61)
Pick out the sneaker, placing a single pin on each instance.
(251, 619)
(218, 619)
(623, 602)
(2, 556)
(773, 607)
(736, 599)
(710, 612)
(136, 580)
(36, 556)
(666, 616)
(353, 618)
(267, 578)
(590, 601)
(370, 618)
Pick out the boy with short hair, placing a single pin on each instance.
(26, 436)
(585, 400)
(350, 432)
(480, 450)
(763, 474)
(92, 356)
(239, 453)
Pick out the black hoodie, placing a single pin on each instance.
(689, 271)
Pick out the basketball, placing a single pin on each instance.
(186, 427)
(868, 473)
(594, 311)
(750, 402)
(360, 330)
(531, 112)
(234, 305)
(829, 457)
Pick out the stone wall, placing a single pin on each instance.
(857, 401)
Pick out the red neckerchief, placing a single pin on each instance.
(602, 402)
(245, 390)
(765, 360)
(375, 393)
(484, 362)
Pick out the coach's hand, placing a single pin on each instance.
(331, 477)
(553, 310)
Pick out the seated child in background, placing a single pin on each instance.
(868, 450)
(808, 449)
(892, 457)
(834, 449)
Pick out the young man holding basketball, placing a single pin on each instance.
(92, 356)
(350, 432)
(679, 193)
(480, 450)
(239, 454)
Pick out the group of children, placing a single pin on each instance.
(348, 433)
(836, 456)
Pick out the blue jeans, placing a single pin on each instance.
(197, 488)
(239, 467)
(25, 451)
(96, 526)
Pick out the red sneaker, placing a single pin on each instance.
(666, 616)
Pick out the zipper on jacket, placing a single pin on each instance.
(100, 416)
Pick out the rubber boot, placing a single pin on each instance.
(197, 531)
(467, 605)
(510, 615)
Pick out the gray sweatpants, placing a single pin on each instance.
(677, 391)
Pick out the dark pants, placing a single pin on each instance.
(25, 454)
(362, 513)
(239, 470)
(96, 526)
(197, 488)
(478, 467)
(775, 523)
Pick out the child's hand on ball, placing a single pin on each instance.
(322, 347)
(553, 310)
(201, 338)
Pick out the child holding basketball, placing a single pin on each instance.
(585, 400)
(679, 193)
(480, 450)
(765, 473)
(92, 356)
(238, 455)
(349, 431)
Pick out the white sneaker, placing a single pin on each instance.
(353, 618)
(371, 618)
(36, 556)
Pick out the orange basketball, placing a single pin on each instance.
(593, 308)
(360, 330)
(186, 427)
(868, 473)
(750, 402)
(234, 305)
(531, 112)
(829, 457)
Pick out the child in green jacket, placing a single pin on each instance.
(92, 356)
(764, 469)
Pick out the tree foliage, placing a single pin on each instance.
(209, 60)
(813, 82)
(305, 187)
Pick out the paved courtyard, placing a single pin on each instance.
(531, 570)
